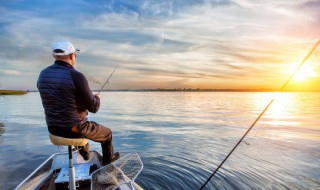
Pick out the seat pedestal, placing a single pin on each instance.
(61, 141)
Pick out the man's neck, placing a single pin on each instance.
(67, 61)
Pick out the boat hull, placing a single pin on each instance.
(45, 176)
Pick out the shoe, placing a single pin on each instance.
(85, 151)
(115, 157)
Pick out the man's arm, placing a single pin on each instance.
(83, 92)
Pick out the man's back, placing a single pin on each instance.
(57, 92)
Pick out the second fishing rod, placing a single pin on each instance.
(261, 114)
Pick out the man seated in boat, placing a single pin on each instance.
(67, 98)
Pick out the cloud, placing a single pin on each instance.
(162, 41)
(11, 72)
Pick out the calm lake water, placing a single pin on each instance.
(182, 137)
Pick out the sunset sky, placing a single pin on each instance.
(217, 44)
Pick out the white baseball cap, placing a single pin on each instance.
(64, 48)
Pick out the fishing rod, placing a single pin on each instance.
(261, 114)
(107, 81)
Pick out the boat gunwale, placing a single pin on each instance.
(35, 171)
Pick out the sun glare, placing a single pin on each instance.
(304, 73)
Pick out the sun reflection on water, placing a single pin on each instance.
(285, 118)
(282, 106)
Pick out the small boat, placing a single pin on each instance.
(53, 174)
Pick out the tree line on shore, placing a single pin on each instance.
(12, 92)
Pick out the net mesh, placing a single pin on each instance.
(124, 170)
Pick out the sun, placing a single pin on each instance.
(305, 73)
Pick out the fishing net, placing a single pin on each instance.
(124, 170)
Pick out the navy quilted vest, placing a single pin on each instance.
(57, 92)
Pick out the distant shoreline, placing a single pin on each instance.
(12, 92)
(184, 90)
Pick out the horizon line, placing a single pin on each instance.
(192, 90)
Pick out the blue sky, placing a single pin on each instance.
(163, 44)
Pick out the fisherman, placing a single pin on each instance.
(67, 98)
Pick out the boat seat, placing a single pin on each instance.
(61, 141)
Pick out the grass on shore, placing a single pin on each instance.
(12, 92)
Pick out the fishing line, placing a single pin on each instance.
(107, 81)
(261, 114)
